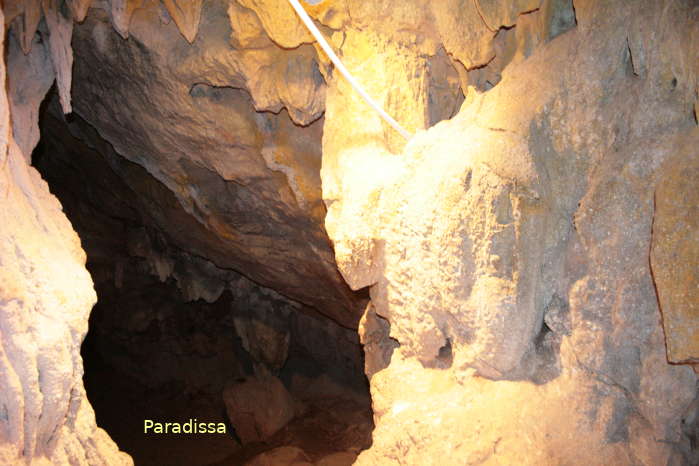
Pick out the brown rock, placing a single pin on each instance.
(79, 9)
(532, 205)
(281, 456)
(265, 336)
(675, 253)
(60, 30)
(121, 12)
(186, 14)
(28, 22)
(280, 22)
(258, 407)
(343, 458)
(253, 196)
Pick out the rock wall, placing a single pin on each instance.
(45, 298)
(164, 314)
(514, 316)
(523, 256)
(247, 180)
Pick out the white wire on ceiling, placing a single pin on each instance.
(338, 64)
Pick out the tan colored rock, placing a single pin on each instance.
(249, 183)
(258, 407)
(48, 295)
(675, 253)
(186, 14)
(532, 205)
(30, 77)
(121, 11)
(378, 346)
(29, 22)
(12, 9)
(498, 14)
(280, 21)
(60, 31)
(246, 30)
(45, 298)
(478, 273)
(343, 458)
(79, 9)
(334, 15)
(405, 24)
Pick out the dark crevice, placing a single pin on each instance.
(171, 332)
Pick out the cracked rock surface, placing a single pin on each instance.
(507, 251)
(531, 252)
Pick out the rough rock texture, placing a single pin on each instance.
(510, 245)
(60, 31)
(514, 315)
(45, 298)
(26, 95)
(258, 406)
(248, 181)
(181, 320)
(675, 253)
(332, 433)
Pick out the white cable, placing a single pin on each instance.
(338, 64)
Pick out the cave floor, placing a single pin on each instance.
(326, 424)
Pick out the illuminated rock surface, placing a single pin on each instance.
(532, 260)
(248, 181)
(45, 295)
(507, 250)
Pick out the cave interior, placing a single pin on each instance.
(215, 251)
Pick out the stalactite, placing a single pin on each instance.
(79, 9)
(121, 11)
(186, 14)
(29, 23)
(60, 33)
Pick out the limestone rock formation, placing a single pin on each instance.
(533, 205)
(248, 181)
(531, 260)
(675, 253)
(186, 15)
(26, 95)
(60, 31)
(258, 406)
(181, 321)
(46, 295)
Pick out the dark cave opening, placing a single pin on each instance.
(173, 338)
